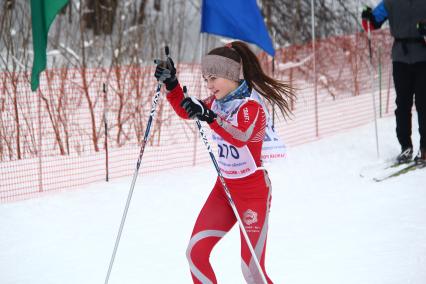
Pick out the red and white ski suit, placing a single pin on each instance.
(251, 193)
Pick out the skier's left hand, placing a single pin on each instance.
(421, 27)
(367, 14)
(196, 108)
(368, 20)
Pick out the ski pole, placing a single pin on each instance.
(138, 164)
(228, 194)
(372, 88)
(106, 132)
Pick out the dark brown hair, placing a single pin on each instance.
(274, 91)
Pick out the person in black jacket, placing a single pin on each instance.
(407, 26)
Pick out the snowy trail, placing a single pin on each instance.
(327, 225)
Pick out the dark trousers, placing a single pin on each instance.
(410, 82)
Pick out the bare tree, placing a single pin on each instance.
(99, 15)
(14, 58)
(290, 20)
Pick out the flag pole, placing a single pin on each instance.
(314, 67)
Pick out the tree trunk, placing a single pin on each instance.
(99, 16)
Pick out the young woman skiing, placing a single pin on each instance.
(235, 113)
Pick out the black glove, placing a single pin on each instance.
(421, 27)
(196, 108)
(369, 20)
(166, 72)
(367, 14)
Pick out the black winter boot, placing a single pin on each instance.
(421, 156)
(405, 156)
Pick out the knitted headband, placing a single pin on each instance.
(220, 66)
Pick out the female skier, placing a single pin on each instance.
(236, 114)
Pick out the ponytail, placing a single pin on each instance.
(274, 91)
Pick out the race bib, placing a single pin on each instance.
(234, 162)
(237, 162)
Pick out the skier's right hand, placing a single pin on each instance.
(166, 72)
(197, 109)
(368, 21)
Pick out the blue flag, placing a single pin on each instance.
(239, 19)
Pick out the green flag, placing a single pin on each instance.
(42, 14)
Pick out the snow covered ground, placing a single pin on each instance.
(327, 224)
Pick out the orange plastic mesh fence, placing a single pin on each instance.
(56, 139)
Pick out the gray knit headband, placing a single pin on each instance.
(220, 66)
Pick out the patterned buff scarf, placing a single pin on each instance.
(227, 103)
(273, 148)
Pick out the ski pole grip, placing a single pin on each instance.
(185, 91)
(167, 51)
